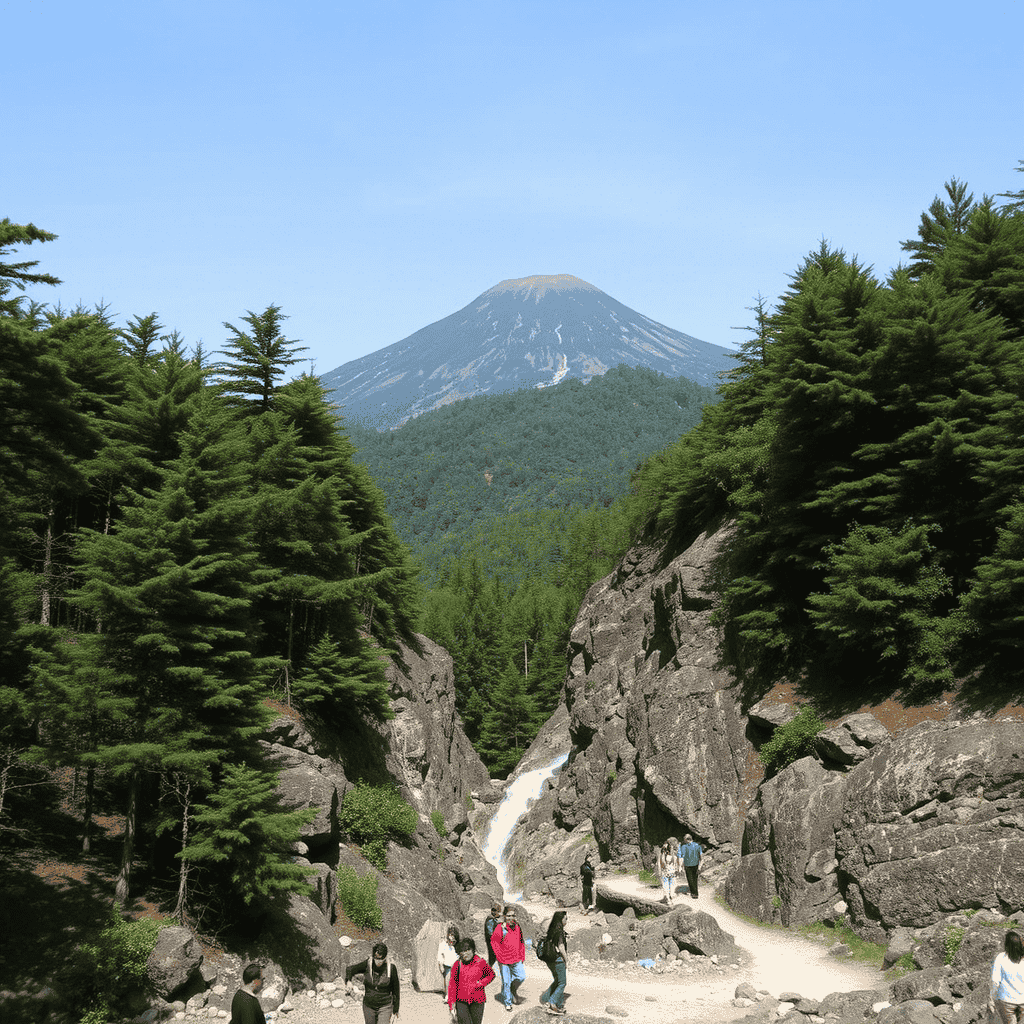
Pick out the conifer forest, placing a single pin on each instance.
(191, 541)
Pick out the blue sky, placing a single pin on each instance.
(372, 168)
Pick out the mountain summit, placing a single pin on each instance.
(524, 332)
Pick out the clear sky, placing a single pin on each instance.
(373, 167)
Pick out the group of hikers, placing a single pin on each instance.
(465, 975)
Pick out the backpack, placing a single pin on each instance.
(540, 944)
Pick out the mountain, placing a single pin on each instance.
(527, 332)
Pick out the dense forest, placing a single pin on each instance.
(867, 452)
(185, 544)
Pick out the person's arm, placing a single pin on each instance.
(487, 974)
(351, 971)
(997, 976)
(395, 991)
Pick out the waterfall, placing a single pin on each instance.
(518, 797)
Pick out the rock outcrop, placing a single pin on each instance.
(658, 744)
(930, 822)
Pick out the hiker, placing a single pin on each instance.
(245, 1006)
(1006, 990)
(380, 986)
(690, 854)
(510, 952)
(668, 868)
(492, 922)
(446, 956)
(469, 976)
(556, 956)
(587, 880)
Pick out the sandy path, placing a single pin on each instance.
(775, 961)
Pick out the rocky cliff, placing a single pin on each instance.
(425, 753)
(655, 732)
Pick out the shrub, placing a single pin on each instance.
(359, 898)
(437, 820)
(791, 741)
(372, 815)
(953, 940)
(102, 971)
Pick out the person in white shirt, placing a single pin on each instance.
(446, 956)
(1006, 992)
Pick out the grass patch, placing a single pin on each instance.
(647, 877)
(864, 952)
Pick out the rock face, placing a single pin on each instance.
(658, 743)
(929, 822)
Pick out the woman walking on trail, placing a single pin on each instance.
(469, 976)
(447, 955)
(492, 922)
(668, 867)
(556, 949)
(1006, 991)
(380, 986)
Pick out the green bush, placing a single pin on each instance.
(437, 820)
(791, 741)
(953, 940)
(373, 815)
(102, 971)
(359, 898)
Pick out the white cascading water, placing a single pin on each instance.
(518, 797)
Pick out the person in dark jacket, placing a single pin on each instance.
(466, 982)
(587, 881)
(490, 924)
(556, 950)
(380, 986)
(245, 1007)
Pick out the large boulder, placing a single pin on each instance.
(298, 937)
(851, 740)
(174, 965)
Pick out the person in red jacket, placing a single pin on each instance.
(466, 982)
(510, 952)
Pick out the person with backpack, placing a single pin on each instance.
(690, 854)
(380, 986)
(555, 953)
(466, 983)
(510, 952)
(492, 922)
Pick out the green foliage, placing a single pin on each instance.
(952, 941)
(109, 966)
(437, 820)
(374, 815)
(646, 876)
(864, 951)
(791, 741)
(358, 896)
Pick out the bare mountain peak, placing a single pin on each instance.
(534, 287)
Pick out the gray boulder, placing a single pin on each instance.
(175, 964)
(301, 940)
(697, 932)
(849, 742)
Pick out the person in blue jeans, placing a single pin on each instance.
(690, 854)
(557, 955)
(510, 951)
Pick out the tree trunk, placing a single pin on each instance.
(44, 618)
(90, 790)
(124, 874)
(179, 908)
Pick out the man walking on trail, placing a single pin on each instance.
(690, 853)
(510, 952)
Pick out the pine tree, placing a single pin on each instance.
(509, 724)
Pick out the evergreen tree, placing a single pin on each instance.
(509, 724)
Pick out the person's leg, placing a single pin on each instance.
(384, 1014)
(558, 995)
(518, 977)
(1004, 1011)
(545, 996)
(506, 981)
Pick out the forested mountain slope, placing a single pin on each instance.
(501, 478)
